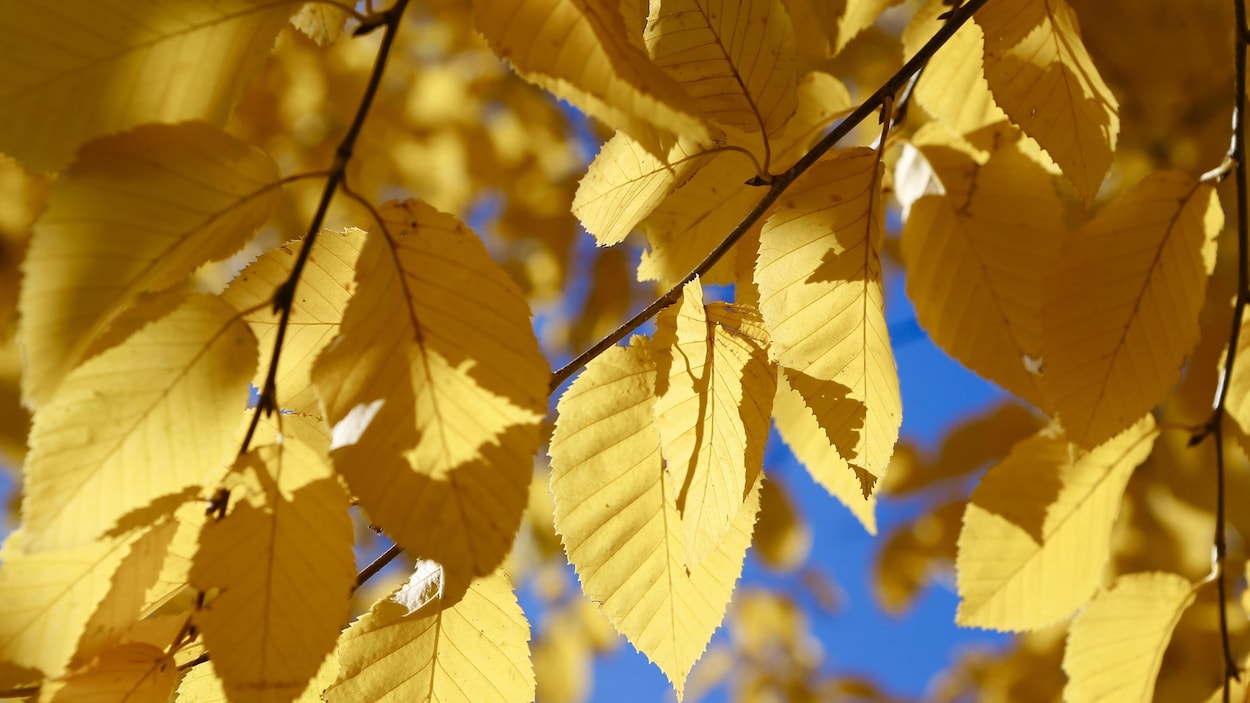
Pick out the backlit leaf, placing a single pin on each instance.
(323, 21)
(953, 88)
(136, 213)
(129, 673)
(1037, 530)
(110, 441)
(434, 390)
(1121, 310)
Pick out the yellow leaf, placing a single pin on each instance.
(325, 285)
(1121, 310)
(819, 275)
(736, 58)
(783, 539)
(616, 515)
(281, 561)
(323, 21)
(715, 390)
(1043, 78)
(1037, 530)
(626, 182)
(953, 87)
(129, 673)
(112, 440)
(856, 16)
(807, 440)
(202, 685)
(135, 213)
(133, 61)
(454, 644)
(171, 592)
(435, 391)
(977, 260)
(1116, 645)
(580, 51)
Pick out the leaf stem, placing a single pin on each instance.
(778, 185)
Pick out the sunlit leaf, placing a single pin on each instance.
(129, 673)
(953, 90)
(323, 21)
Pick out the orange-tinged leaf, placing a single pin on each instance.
(1037, 530)
(281, 561)
(435, 390)
(325, 285)
(132, 61)
(819, 276)
(136, 213)
(454, 644)
(1121, 310)
(715, 388)
(112, 439)
(128, 673)
(1043, 78)
(953, 90)
(1116, 645)
(620, 526)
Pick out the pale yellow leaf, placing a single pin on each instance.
(114, 437)
(1116, 645)
(135, 213)
(626, 182)
(620, 526)
(80, 69)
(952, 88)
(715, 390)
(1121, 309)
(442, 643)
(807, 440)
(323, 21)
(325, 285)
(281, 564)
(1043, 78)
(1037, 530)
(819, 276)
(580, 51)
(128, 673)
(435, 390)
(977, 260)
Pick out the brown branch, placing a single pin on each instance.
(778, 185)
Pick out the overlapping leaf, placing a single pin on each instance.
(435, 390)
(1116, 645)
(132, 673)
(281, 561)
(1037, 531)
(954, 90)
(456, 644)
(136, 213)
(615, 511)
(179, 62)
(819, 276)
(111, 441)
(1121, 311)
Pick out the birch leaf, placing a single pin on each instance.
(1037, 530)
(322, 21)
(616, 515)
(856, 16)
(178, 63)
(819, 275)
(1116, 645)
(110, 442)
(325, 285)
(136, 213)
(282, 562)
(954, 89)
(1121, 310)
(128, 673)
(435, 390)
(712, 412)
(459, 645)
(1043, 78)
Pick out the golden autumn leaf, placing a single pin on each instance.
(281, 564)
(1122, 305)
(134, 214)
(819, 275)
(201, 684)
(323, 21)
(176, 64)
(457, 642)
(107, 443)
(1042, 76)
(715, 389)
(128, 673)
(1116, 645)
(326, 285)
(434, 390)
(1037, 530)
(953, 87)
(617, 516)
(783, 538)
(854, 17)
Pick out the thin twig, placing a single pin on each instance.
(377, 565)
(778, 185)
